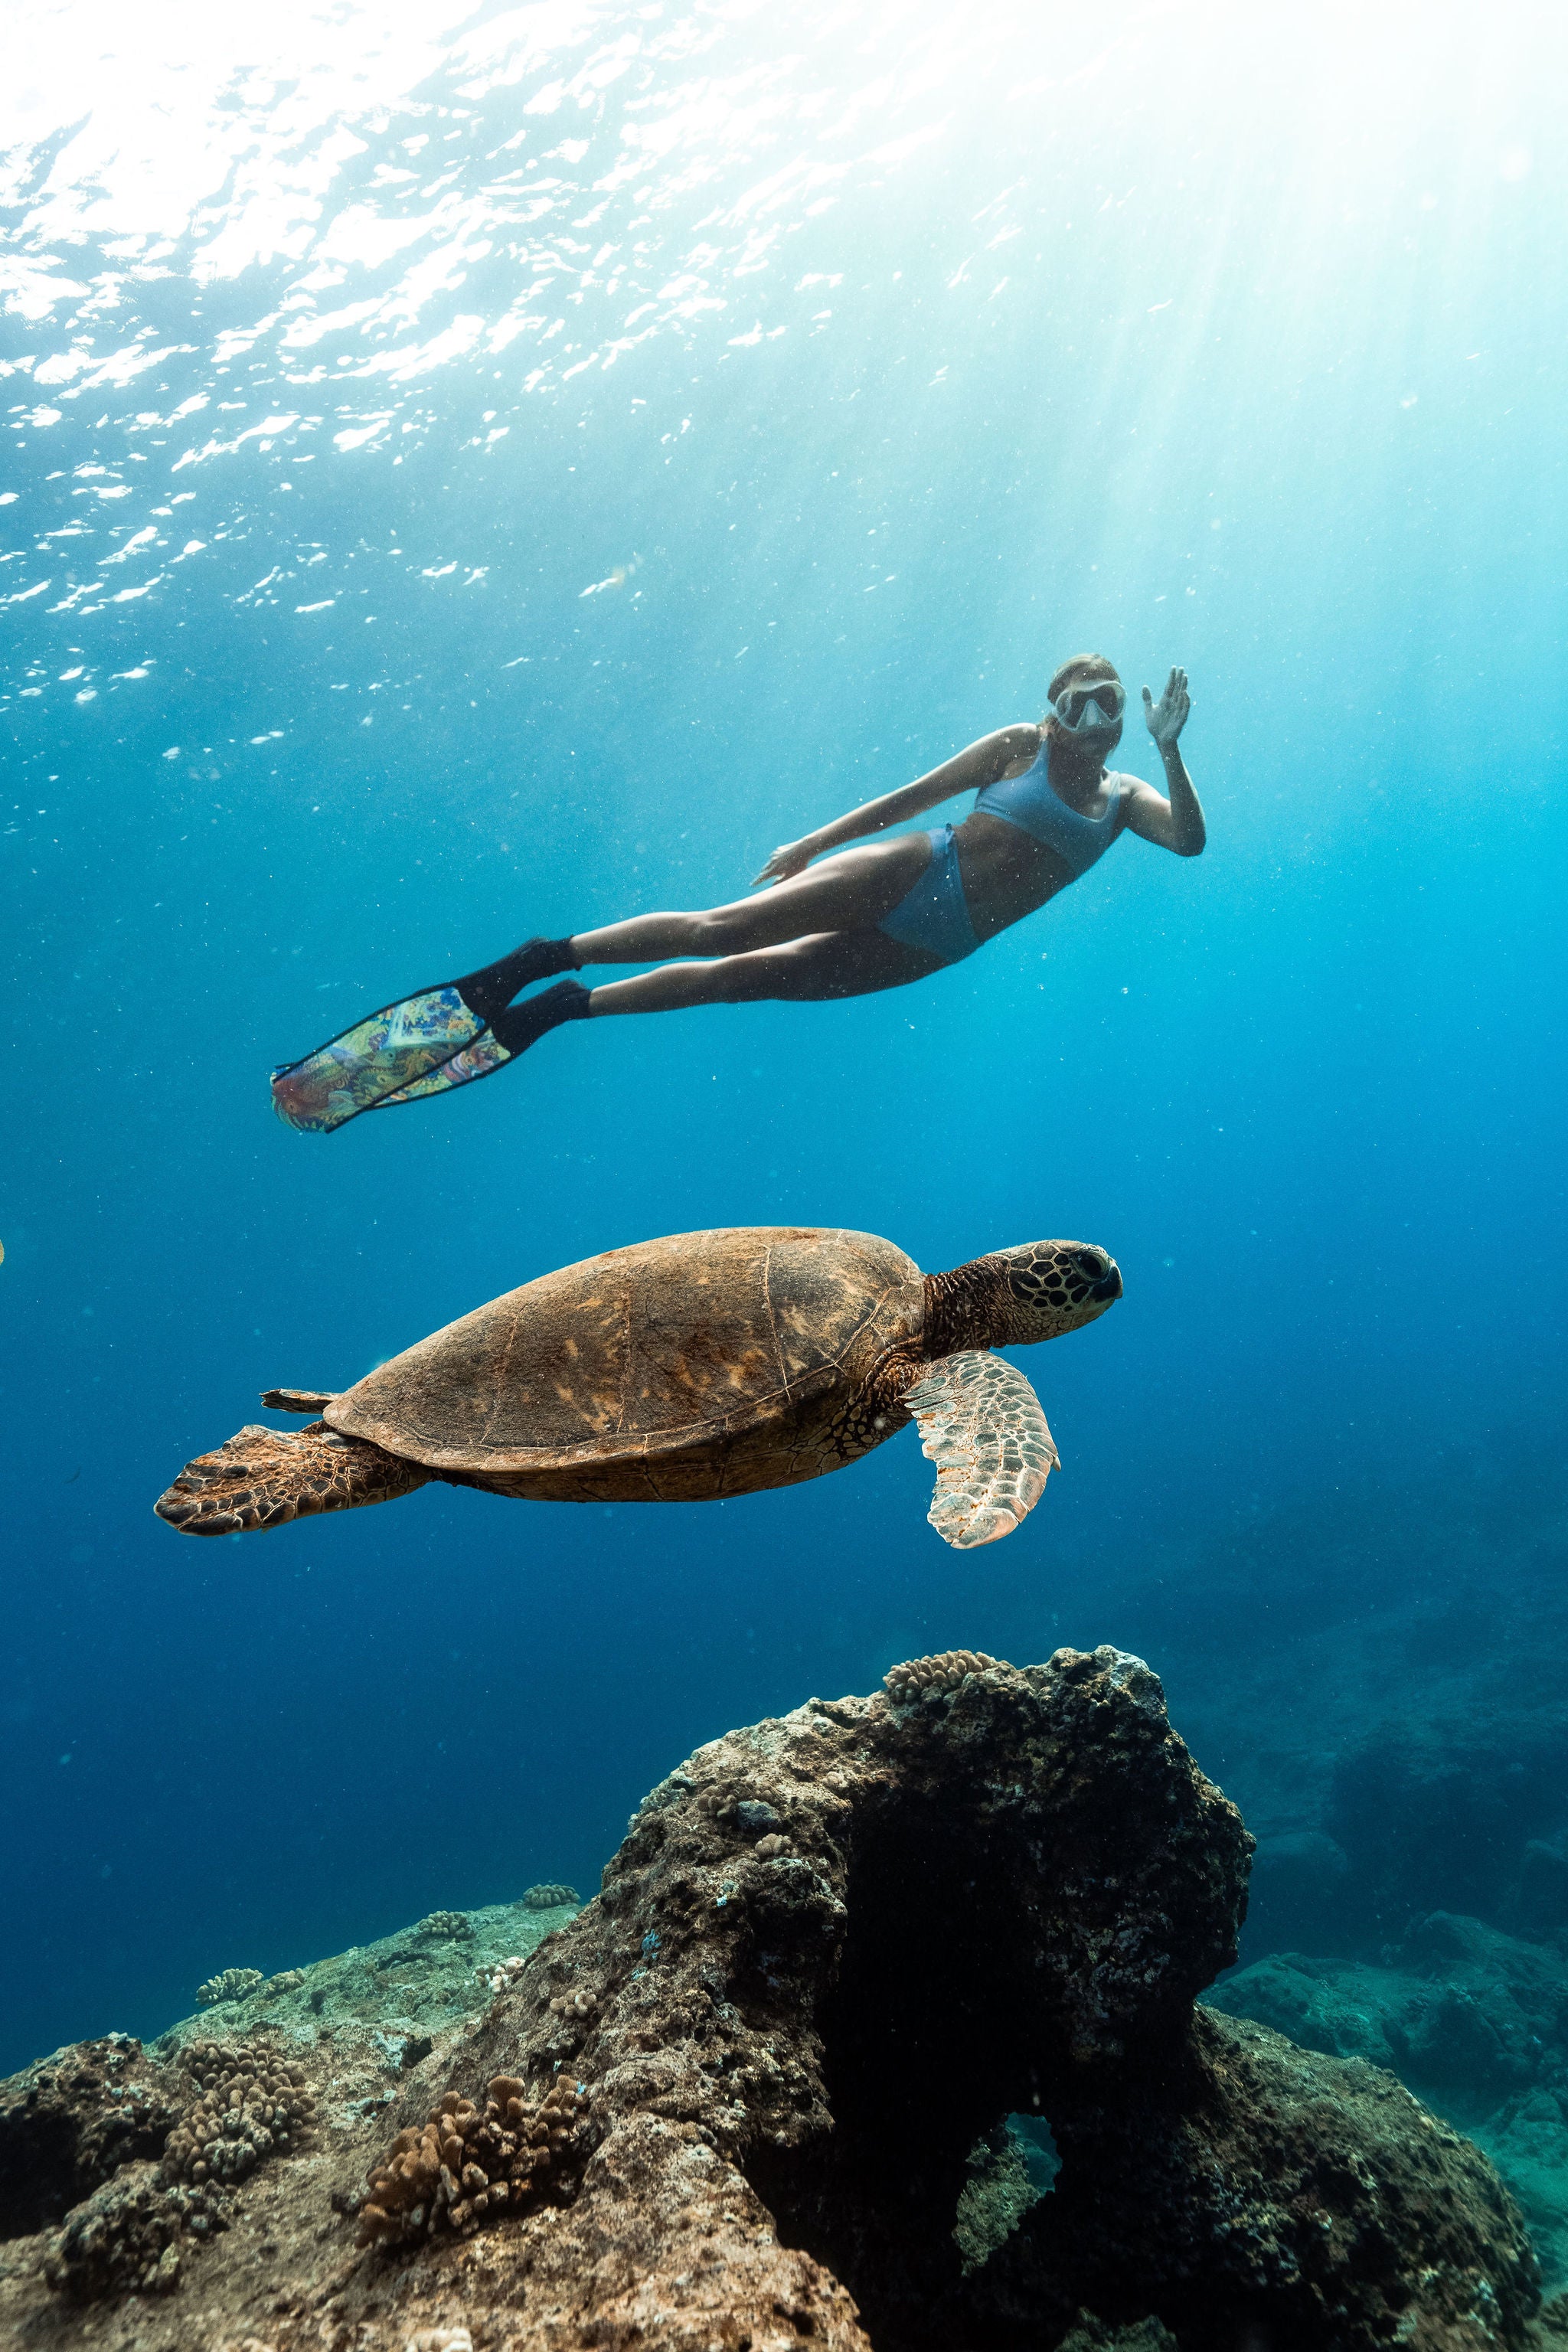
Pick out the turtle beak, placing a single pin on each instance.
(1109, 1287)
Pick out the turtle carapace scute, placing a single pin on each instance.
(687, 1370)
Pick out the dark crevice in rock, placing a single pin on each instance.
(928, 2038)
(68, 2122)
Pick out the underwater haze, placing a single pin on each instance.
(485, 471)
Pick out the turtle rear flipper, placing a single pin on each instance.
(264, 1477)
(981, 1424)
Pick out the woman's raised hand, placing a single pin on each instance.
(785, 863)
(1165, 719)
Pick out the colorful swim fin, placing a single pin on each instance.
(423, 1045)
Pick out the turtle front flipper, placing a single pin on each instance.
(264, 1477)
(981, 1422)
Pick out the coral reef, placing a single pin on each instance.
(549, 1898)
(1092, 2334)
(229, 1984)
(580, 2003)
(504, 1973)
(742, 2098)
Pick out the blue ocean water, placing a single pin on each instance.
(486, 471)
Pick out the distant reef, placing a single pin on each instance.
(1380, 1687)
(882, 2030)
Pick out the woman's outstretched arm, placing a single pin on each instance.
(969, 771)
(1177, 824)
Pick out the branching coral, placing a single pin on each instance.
(917, 1676)
(549, 1897)
(229, 1984)
(468, 2163)
(248, 2106)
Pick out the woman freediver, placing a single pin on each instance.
(864, 918)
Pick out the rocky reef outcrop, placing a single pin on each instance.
(1475, 2021)
(788, 2080)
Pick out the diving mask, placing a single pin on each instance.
(1091, 710)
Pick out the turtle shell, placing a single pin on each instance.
(702, 1364)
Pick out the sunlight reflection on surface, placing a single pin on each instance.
(330, 210)
(640, 164)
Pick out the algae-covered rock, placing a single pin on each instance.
(1243, 2182)
(70, 2122)
(1002, 2185)
(1092, 2334)
(1475, 2021)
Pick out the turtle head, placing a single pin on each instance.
(1049, 1287)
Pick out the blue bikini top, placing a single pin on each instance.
(1029, 802)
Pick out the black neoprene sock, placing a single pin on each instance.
(525, 1023)
(491, 990)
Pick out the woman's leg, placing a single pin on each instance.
(830, 964)
(848, 893)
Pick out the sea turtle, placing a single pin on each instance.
(685, 1369)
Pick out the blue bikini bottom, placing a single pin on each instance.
(934, 915)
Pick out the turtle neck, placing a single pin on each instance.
(966, 1308)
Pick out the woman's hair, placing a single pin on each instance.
(1097, 663)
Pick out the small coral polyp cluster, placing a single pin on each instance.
(938, 1675)
(445, 1922)
(580, 2003)
(249, 2107)
(505, 1973)
(467, 2162)
(549, 1896)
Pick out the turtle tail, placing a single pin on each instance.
(264, 1477)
